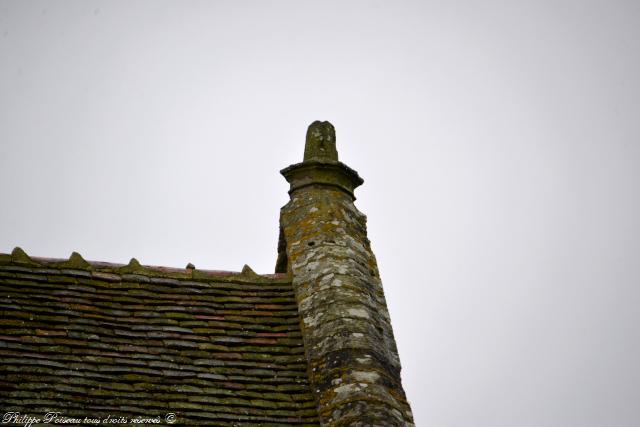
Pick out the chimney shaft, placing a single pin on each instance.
(353, 361)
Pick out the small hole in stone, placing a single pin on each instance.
(311, 243)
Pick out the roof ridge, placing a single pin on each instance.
(76, 262)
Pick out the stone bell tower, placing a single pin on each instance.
(353, 361)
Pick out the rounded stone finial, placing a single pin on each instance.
(321, 142)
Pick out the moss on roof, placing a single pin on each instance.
(97, 339)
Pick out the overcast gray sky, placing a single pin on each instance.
(499, 142)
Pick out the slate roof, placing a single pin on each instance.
(90, 338)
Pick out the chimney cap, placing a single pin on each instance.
(320, 165)
(321, 142)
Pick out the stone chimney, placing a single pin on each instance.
(353, 361)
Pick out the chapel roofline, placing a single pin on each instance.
(76, 262)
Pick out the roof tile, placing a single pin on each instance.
(96, 339)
